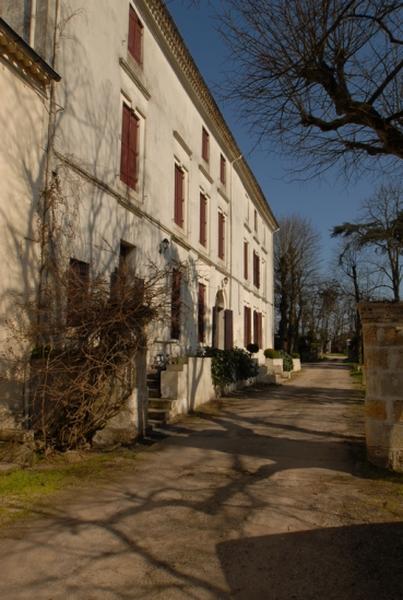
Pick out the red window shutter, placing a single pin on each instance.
(201, 312)
(228, 329)
(203, 220)
(205, 145)
(214, 332)
(124, 156)
(135, 36)
(223, 169)
(176, 304)
(179, 195)
(260, 336)
(255, 327)
(129, 149)
(257, 272)
(133, 151)
(245, 260)
(77, 290)
(221, 236)
(247, 326)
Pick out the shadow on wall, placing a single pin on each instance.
(359, 562)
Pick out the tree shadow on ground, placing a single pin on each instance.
(358, 562)
(162, 529)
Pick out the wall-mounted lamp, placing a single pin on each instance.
(225, 281)
(164, 245)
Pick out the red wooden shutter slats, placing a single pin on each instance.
(129, 147)
(245, 260)
(135, 42)
(203, 220)
(201, 312)
(221, 235)
(179, 196)
(247, 325)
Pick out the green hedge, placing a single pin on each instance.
(230, 366)
(270, 353)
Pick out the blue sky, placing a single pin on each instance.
(327, 201)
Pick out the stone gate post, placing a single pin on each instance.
(383, 358)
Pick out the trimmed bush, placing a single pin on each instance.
(252, 348)
(230, 366)
(287, 361)
(295, 355)
(270, 353)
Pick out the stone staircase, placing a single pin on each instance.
(158, 408)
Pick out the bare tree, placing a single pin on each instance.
(323, 76)
(296, 268)
(380, 227)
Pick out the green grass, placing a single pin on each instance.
(21, 490)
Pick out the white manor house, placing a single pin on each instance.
(103, 97)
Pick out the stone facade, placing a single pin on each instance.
(383, 352)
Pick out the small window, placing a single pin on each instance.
(77, 291)
(129, 147)
(179, 195)
(246, 260)
(221, 236)
(247, 326)
(135, 43)
(205, 145)
(223, 170)
(176, 304)
(203, 220)
(201, 313)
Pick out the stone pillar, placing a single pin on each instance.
(383, 357)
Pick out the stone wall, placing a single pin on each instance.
(383, 352)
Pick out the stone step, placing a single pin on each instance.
(159, 415)
(154, 393)
(161, 403)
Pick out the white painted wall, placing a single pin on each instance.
(23, 127)
(93, 49)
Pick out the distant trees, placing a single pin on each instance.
(322, 76)
(380, 228)
(296, 267)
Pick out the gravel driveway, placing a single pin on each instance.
(260, 497)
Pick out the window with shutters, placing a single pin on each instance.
(201, 313)
(221, 235)
(255, 221)
(176, 304)
(203, 220)
(77, 291)
(205, 145)
(257, 328)
(247, 326)
(256, 270)
(135, 42)
(246, 260)
(124, 271)
(179, 199)
(129, 147)
(223, 170)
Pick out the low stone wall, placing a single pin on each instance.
(383, 357)
(190, 385)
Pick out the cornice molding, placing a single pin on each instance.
(22, 57)
(169, 34)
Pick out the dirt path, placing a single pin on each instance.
(260, 498)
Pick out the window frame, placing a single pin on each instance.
(203, 219)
